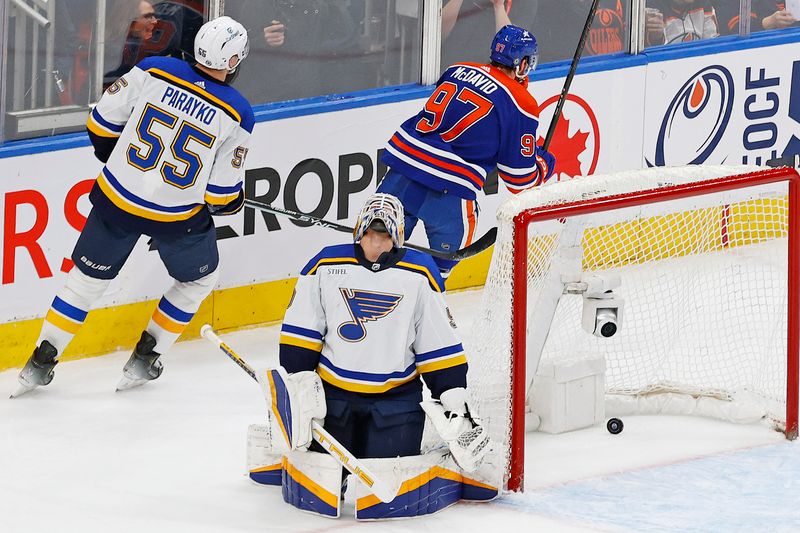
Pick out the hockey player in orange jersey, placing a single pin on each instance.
(479, 117)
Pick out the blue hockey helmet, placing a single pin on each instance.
(511, 45)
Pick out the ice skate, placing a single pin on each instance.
(38, 371)
(143, 365)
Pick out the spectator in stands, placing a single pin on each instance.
(134, 30)
(130, 25)
(300, 49)
(560, 22)
(468, 26)
(686, 20)
(178, 23)
(764, 15)
(654, 34)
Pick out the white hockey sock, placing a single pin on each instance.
(176, 308)
(69, 308)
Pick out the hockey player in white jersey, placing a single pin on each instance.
(369, 319)
(173, 137)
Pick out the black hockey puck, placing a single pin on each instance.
(614, 426)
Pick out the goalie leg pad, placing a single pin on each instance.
(427, 484)
(264, 463)
(312, 482)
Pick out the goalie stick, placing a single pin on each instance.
(476, 247)
(325, 439)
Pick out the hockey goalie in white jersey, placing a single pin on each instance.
(173, 137)
(367, 323)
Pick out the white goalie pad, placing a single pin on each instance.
(426, 484)
(263, 460)
(294, 401)
(312, 482)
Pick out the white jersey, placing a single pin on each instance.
(694, 24)
(181, 140)
(367, 330)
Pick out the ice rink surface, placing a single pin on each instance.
(170, 457)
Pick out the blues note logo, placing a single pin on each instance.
(364, 307)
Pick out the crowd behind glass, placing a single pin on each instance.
(61, 54)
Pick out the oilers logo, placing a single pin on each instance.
(696, 119)
(365, 306)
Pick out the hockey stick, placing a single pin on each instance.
(476, 247)
(565, 90)
(488, 239)
(325, 439)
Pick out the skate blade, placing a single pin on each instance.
(127, 383)
(22, 389)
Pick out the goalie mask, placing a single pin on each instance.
(511, 45)
(384, 213)
(221, 44)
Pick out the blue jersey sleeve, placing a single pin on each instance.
(521, 162)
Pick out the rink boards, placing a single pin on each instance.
(711, 108)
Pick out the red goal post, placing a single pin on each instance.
(737, 211)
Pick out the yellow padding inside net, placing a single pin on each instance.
(679, 234)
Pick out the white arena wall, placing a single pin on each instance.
(715, 103)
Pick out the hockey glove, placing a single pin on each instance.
(294, 401)
(546, 162)
(466, 437)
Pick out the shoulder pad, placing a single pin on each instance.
(423, 264)
(331, 255)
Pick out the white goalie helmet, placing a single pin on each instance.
(382, 212)
(221, 44)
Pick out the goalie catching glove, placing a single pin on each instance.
(467, 438)
(294, 401)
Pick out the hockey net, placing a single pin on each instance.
(708, 263)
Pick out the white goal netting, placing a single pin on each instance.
(703, 278)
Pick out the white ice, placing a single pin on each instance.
(169, 457)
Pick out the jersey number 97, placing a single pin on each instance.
(437, 105)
